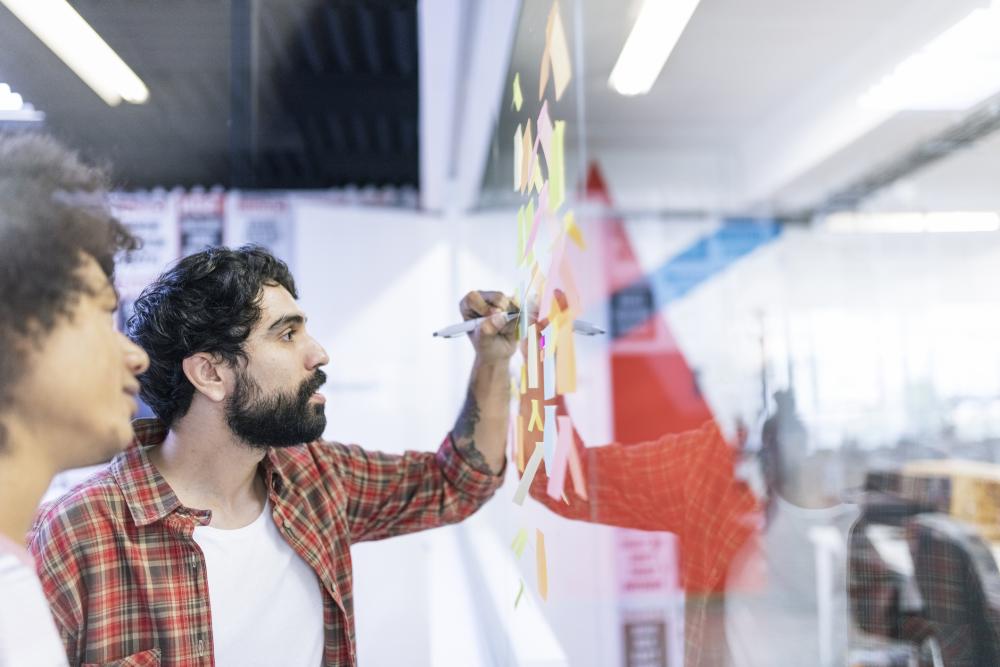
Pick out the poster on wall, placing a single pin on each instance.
(201, 220)
(152, 217)
(264, 219)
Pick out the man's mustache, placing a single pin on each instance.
(312, 385)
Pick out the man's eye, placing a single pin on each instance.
(288, 335)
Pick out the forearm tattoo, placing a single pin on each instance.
(463, 434)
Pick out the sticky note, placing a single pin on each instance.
(534, 218)
(518, 99)
(573, 230)
(529, 475)
(536, 177)
(566, 359)
(527, 156)
(549, 365)
(568, 284)
(524, 380)
(554, 278)
(519, 443)
(536, 417)
(544, 127)
(520, 594)
(576, 471)
(557, 474)
(531, 359)
(520, 542)
(558, 51)
(557, 167)
(518, 157)
(549, 437)
(543, 73)
(543, 573)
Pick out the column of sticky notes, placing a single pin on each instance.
(543, 231)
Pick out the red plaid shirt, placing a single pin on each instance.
(127, 582)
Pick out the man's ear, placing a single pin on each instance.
(205, 371)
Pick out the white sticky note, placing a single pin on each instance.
(532, 357)
(549, 440)
(549, 363)
(529, 475)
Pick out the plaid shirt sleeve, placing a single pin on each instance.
(59, 542)
(389, 494)
(682, 483)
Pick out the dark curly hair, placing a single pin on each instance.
(53, 213)
(208, 302)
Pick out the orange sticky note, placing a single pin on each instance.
(527, 156)
(543, 574)
(566, 359)
(576, 473)
(558, 52)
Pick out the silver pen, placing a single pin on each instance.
(455, 330)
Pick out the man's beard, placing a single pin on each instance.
(278, 420)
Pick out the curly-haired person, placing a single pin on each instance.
(67, 378)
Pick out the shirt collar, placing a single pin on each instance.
(147, 494)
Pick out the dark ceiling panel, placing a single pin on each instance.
(336, 84)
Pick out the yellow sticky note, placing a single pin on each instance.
(573, 230)
(524, 380)
(543, 573)
(520, 594)
(519, 443)
(518, 98)
(518, 157)
(520, 542)
(536, 177)
(558, 52)
(557, 167)
(536, 416)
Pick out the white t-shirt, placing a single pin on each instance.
(28, 635)
(266, 602)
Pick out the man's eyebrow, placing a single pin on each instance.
(285, 320)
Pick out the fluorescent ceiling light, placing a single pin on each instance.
(955, 71)
(653, 37)
(13, 108)
(913, 223)
(71, 38)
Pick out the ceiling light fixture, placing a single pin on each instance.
(70, 37)
(953, 72)
(913, 223)
(649, 45)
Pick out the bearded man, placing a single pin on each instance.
(223, 537)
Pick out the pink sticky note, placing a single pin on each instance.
(555, 278)
(564, 443)
(536, 218)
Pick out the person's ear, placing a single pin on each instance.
(205, 372)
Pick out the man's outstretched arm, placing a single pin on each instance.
(480, 431)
